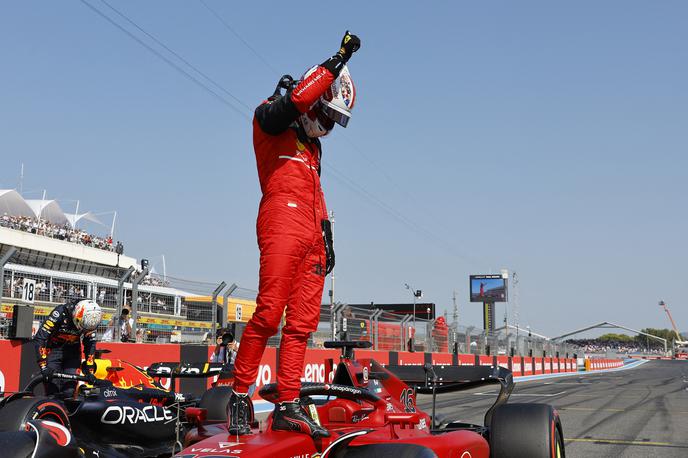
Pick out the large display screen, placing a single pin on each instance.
(488, 288)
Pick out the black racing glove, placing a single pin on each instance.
(47, 373)
(91, 378)
(89, 369)
(350, 44)
(329, 245)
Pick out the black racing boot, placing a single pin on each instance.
(290, 416)
(239, 414)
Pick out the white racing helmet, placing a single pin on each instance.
(334, 106)
(87, 315)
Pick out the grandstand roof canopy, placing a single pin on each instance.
(12, 203)
(48, 210)
(74, 218)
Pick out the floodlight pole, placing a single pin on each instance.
(135, 297)
(4, 260)
(120, 301)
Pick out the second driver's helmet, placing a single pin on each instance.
(87, 315)
(334, 106)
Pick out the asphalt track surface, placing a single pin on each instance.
(639, 412)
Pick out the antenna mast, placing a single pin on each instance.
(21, 179)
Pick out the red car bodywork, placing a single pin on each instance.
(377, 404)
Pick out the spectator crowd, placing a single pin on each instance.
(596, 346)
(154, 280)
(56, 231)
(60, 291)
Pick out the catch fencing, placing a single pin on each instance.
(509, 341)
(176, 310)
(168, 309)
(389, 331)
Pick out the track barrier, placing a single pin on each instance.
(602, 364)
(18, 362)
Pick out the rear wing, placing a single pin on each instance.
(433, 379)
(184, 370)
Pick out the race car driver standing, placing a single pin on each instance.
(58, 343)
(294, 234)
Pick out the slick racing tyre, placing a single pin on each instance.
(526, 431)
(18, 444)
(214, 401)
(16, 413)
(387, 451)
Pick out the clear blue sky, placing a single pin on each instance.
(565, 123)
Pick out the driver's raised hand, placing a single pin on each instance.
(350, 44)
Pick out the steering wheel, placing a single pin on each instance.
(269, 392)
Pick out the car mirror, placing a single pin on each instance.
(402, 418)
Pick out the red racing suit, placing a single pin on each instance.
(290, 236)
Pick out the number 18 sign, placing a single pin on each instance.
(29, 291)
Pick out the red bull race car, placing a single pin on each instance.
(126, 413)
(371, 411)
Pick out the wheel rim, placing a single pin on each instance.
(50, 416)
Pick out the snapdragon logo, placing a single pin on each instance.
(345, 389)
(120, 415)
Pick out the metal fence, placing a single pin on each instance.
(169, 309)
(508, 341)
(165, 311)
(388, 331)
(164, 316)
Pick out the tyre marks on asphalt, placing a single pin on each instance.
(544, 395)
(642, 443)
(633, 411)
(638, 413)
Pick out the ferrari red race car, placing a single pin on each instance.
(371, 411)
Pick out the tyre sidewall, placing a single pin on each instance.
(16, 413)
(215, 402)
(525, 431)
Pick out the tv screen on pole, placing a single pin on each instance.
(488, 288)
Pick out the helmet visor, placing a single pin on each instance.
(337, 116)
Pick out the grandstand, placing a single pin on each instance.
(47, 237)
(66, 262)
